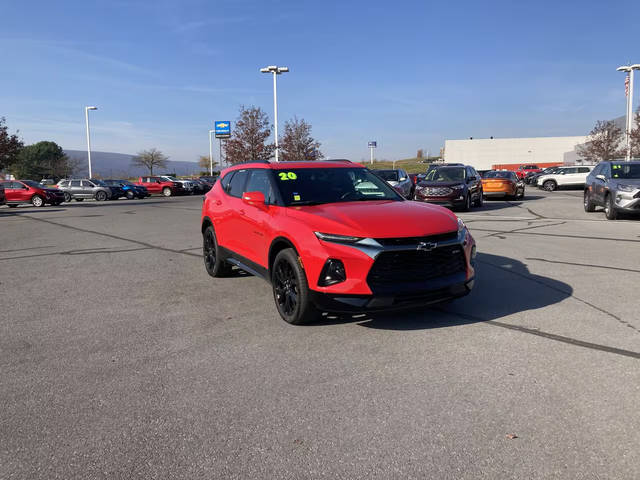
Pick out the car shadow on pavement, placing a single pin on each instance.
(504, 286)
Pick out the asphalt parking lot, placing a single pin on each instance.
(121, 358)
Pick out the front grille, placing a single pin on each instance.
(415, 240)
(436, 191)
(409, 266)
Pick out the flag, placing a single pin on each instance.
(626, 86)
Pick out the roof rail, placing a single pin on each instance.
(337, 160)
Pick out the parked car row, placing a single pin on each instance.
(16, 192)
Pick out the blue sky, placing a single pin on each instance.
(408, 74)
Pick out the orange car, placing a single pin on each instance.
(502, 183)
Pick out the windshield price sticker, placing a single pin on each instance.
(296, 197)
(287, 176)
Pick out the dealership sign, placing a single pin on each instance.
(222, 129)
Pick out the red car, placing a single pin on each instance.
(524, 169)
(28, 191)
(332, 236)
(160, 185)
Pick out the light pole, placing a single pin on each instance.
(86, 116)
(275, 70)
(629, 125)
(210, 153)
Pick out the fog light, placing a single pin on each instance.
(333, 272)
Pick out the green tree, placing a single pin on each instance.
(40, 160)
(150, 158)
(297, 142)
(249, 136)
(10, 145)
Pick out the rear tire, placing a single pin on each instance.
(37, 201)
(588, 204)
(467, 203)
(609, 208)
(550, 185)
(213, 262)
(166, 191)
(291, 290)
(480, 201)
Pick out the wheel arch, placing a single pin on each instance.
(206, 222)
(277, 245)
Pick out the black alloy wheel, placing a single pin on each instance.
(609, 208)
(480, 200)
(588, 204)
(467, 203)
(215, 265)
(290, 289)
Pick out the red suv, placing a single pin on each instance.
(28, 191)
(332, 236)
(160, 185)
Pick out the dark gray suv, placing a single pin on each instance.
(79, 189)
(615, 186)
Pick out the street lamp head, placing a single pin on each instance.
(265, 70)
(635, 66)
(624, 68)
(283, 69)
(91, 108)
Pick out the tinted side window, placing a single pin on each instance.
(75, 183)
(236, 187)
(260, 181)
(583, 170)
(224, 183)
(86, 183)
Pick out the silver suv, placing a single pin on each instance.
(79, 189)
(615, 186)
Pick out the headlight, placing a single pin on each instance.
(461, 225)
(458, 187)
(331, 237)
(626, 188)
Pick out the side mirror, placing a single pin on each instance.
(158, 181)
(254, 198)
(472, 178)
(402, 179)
(600, 177)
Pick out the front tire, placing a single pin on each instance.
(67, 197)
(213, 262)
(467, 203)
(130, 195)
(101, 196)
(609, 208)
(290, 289)
(550, 185)
(588, 204)
(37, 201)
(166, 191)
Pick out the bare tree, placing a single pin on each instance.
(635, 135)
(249, 136)
(420, 154)
(203, 161)
(150, 158)
(603, 143)
(297, 142)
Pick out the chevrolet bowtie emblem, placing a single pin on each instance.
(426, 246)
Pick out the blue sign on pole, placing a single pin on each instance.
(222, 129)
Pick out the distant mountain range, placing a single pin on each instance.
(113, 165)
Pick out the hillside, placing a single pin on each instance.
(109, 164)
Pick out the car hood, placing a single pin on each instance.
(626, 181)
(425, 183)
(377, 218)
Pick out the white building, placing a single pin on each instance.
(484, 153)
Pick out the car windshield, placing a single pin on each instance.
(628, 171)
(494, 174)
(313, 186)
(33, 184)
(388, 175)
(445, 174)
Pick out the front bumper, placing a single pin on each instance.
(451, 202)
(339, 303)
(628, 201)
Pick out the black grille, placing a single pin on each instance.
(415, 240)
(410, 266)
